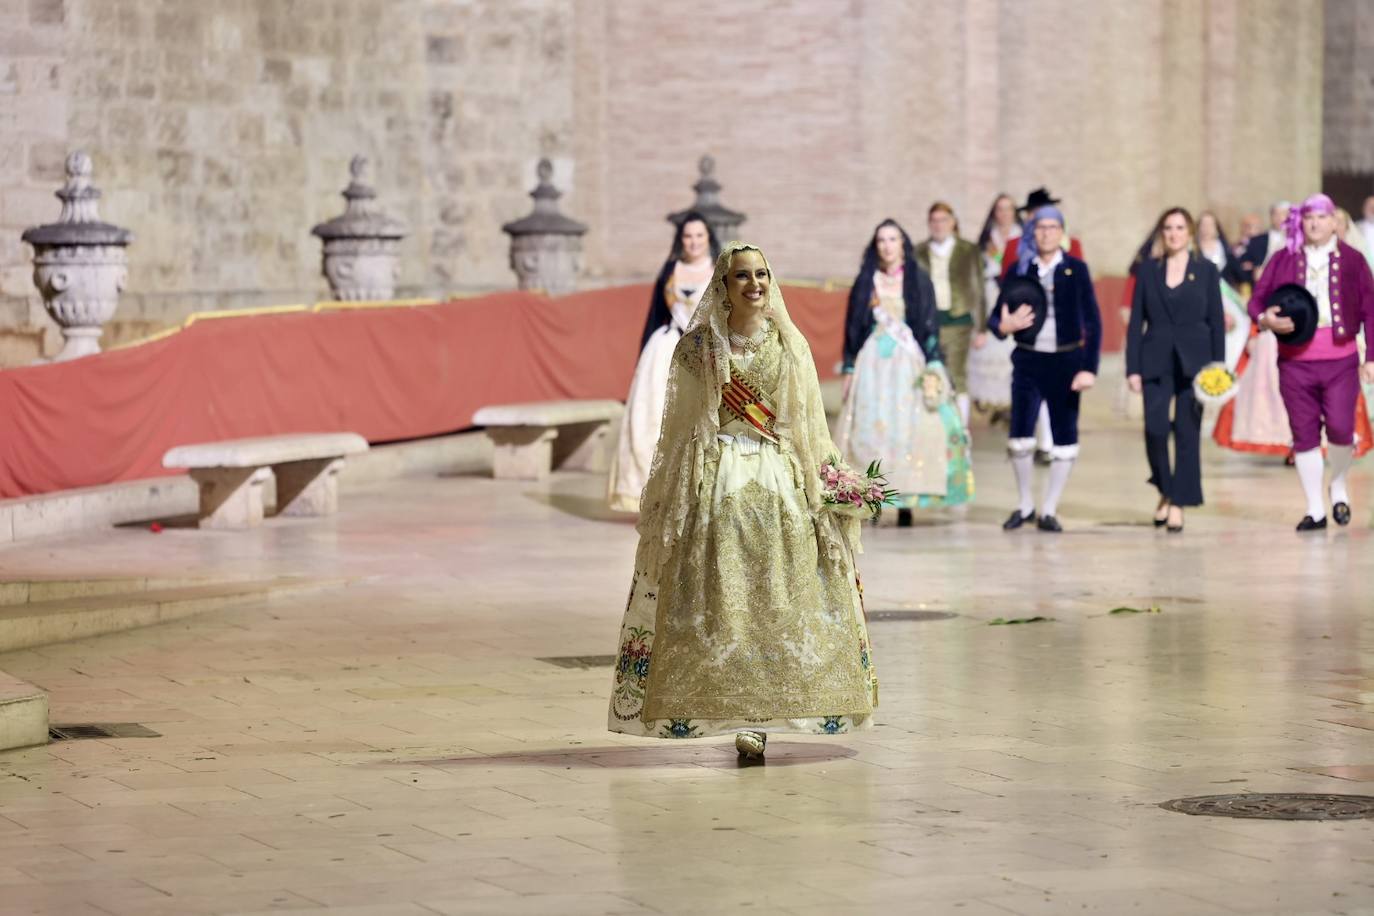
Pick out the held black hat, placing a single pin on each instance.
(1019, 291)
(1297, 304)
(1038, 198)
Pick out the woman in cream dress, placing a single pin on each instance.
(676, 293)
(744, 613)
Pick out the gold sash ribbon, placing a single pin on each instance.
(745, 402)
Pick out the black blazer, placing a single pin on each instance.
(1077, 319)
(1187, 321)
(1255, 252)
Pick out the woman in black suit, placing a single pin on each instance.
(1176, 328)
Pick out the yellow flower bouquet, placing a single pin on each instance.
(1214, 385)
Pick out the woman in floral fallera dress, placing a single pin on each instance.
(744, 613)
(898, 402)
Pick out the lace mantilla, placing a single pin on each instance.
(691, 422)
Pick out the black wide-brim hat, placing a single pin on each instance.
(1038, 198)
(1299, 305)
(1019, 291)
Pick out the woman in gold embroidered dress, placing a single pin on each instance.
(744, 613)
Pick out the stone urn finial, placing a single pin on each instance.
(362, 246)
(546, 246)
(79, 263)
(723, 221)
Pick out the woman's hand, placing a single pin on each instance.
(980, 340)
(1229, 320)
(1367, 373)
(1083, 381)
(1135, 382)
(1019, 320)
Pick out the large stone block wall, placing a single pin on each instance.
(1348, 87)
(827, 117)
(221, 131)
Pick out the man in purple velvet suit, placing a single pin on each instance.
(1320, 380)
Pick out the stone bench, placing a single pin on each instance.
(231, 475)
(532, 439)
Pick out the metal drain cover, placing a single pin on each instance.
(913, 616)
(580, 661)
(107, 730)
(1278, 806)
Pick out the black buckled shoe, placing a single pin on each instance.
(1341, 513)
(1049, 523)
(903, 518)
(1307, 524)
(1016, 520)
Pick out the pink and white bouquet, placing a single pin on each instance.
(848, 492)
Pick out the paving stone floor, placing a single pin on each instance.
(397, 746)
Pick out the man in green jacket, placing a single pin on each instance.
(956, 268)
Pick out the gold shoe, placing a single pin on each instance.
(750, 745)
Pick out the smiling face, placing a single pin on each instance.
(889, 244)
(1318, 227)
(696, 241)
(748, 280)
(1175, 233)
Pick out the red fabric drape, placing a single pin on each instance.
(386, 373)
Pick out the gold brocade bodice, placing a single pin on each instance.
(761, 370)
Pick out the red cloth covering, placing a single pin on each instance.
(386, 373)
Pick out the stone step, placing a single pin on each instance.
(25, 591)
(23, 714)
(38, 623)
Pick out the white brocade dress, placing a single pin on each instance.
(747, 628)
(634, 453)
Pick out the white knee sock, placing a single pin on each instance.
(1023, 466)
(1042, 429)
(1340, 458)
(1054, 487)
(961, 401)
(1310, 467)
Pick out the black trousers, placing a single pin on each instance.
(1181, 485)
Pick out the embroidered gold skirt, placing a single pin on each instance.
(747, 629)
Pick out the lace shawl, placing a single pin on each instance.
(688, 445)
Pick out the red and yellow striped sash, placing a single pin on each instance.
(750, 406)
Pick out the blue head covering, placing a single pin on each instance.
(1026, 250)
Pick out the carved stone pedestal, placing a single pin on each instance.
(79, 263)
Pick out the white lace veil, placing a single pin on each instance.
(691, 421)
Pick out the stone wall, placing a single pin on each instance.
(221, 131)
(828, 117)
(1348, 88)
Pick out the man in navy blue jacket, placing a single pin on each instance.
(1055, 360)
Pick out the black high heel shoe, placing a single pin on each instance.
(1163, 506)
(1176, 529)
